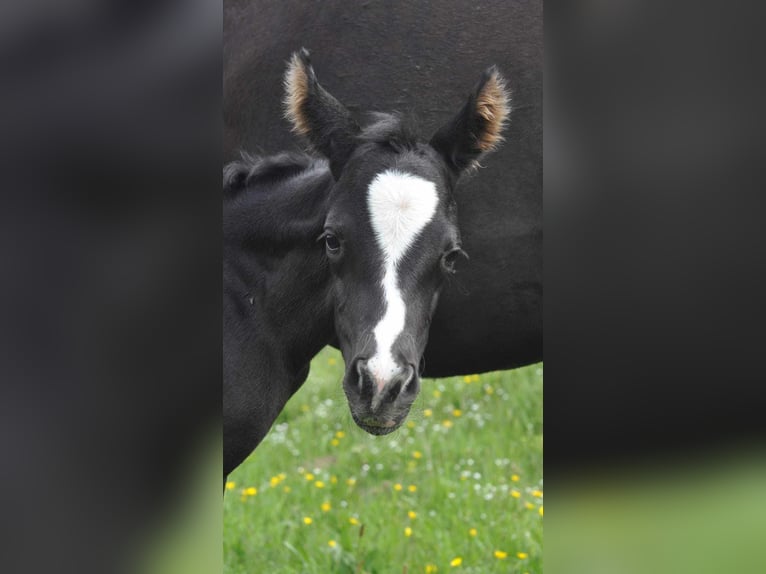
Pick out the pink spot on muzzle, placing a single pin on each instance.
(380, 382)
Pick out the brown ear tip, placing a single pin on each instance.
(295, 72)
(297, 80)
(492, 72)
(499, 85)
(493, 106)
(300, 61)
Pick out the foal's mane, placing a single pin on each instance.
(277, 199)
(282, 197)
(250, 169)
(388, 129)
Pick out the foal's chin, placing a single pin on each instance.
(379, 429)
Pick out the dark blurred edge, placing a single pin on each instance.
(654, 245)
(654, 279)
(110, 293)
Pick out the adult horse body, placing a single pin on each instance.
(389, 55)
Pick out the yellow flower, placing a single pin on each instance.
(282, 476)
(309, 476)
(522, 555)
(334, 479)
(340, 434)
(427, 413)
(457, 413)
(410, 424)
(417, 454)
(447, 423)
(335, 442)
(408, 531)
(529, 505)
(251, 491)
(230, 485)
(475, 378)
(274, 481)
(473, 532)
(437, 393)
(351, 481)
(319, 484)
(537, 493)
(332, 544)
(489, 390)
(332, 361)
(305, 408)
(467, 380)
(412, 514)
(412, 488)
(540, 510)
(456, 561)
(515, 494)
(286, 489)
(397, 487)
(500, 555)
(307, 520)
(326, 507)
(353, 521)
(515, 477)
(431, 568)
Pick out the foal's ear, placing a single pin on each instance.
(316, 114)
(478, 127)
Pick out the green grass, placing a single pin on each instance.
(455, 476)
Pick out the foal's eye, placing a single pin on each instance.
(332, 243)
(449, 259)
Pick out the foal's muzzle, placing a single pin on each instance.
(380, 406)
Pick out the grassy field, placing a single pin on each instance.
(458, 489)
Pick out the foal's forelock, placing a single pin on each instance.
(400, 206)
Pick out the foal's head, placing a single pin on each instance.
(391, 233)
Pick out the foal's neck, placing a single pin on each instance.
(297, 304)
(277, 275)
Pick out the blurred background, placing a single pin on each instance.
(653, 402)
(110, 339)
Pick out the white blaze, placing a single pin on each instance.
(400, 205)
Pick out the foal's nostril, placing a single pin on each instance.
(405, 381)
(410, 382)
(362, 374)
